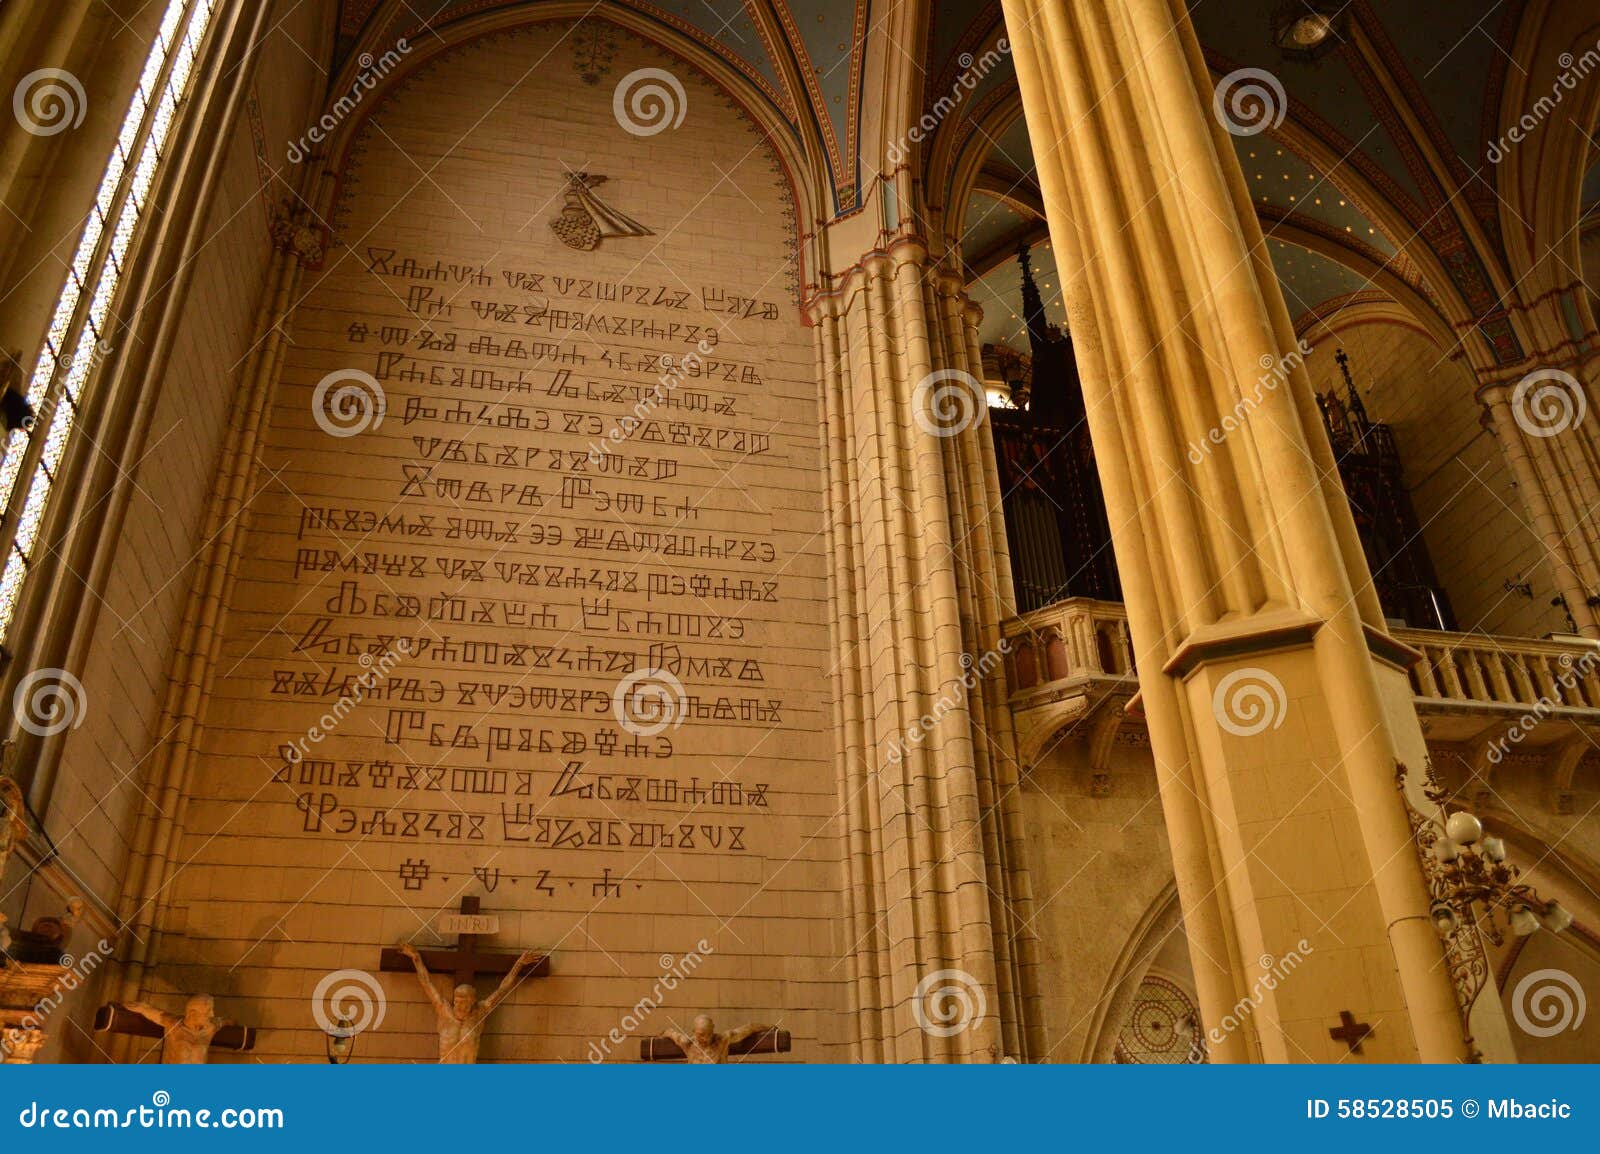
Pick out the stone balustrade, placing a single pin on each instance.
(1066, 641)
(1079, 639)
(1481, 669)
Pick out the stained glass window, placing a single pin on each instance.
(84, 307)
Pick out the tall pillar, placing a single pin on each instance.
(1278, 707)
(941, 954)
(1540, 414)
(1552, 479)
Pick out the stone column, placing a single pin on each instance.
(938, 899)
(1278, 707)
(1542, 418)
(1549, 504)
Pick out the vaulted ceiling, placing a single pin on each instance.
(1383, 143)
(820, 43)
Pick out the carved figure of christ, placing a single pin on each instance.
(460, 1020)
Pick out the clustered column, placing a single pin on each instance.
(938, 901)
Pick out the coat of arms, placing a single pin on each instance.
(585, 220)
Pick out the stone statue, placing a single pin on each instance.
(188, 1039)
(706, 1047)
(19, 1045)
(461, 1019)
(13, 823)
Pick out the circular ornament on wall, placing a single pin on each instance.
(1163, 1028)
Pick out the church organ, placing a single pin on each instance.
(1054, 509)
(1056, 524)
(1391, 536)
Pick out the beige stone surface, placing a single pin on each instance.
(466, 166)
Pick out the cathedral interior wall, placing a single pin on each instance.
(1098, 863)
(693, 867)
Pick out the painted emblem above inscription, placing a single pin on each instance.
(585, 220)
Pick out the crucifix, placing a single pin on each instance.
(706, 1047)
(460, 1020)
(1351, 1032)
(186, 1040)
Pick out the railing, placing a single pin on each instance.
(1517, 671)
(1082, 638)
(1071, 639)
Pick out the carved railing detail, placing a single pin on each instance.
(1070, 661)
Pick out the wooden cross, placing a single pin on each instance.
(113, 1018)
(766, 1042)
(1351, 1032)
(465, 962)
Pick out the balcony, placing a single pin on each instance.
(1070, 668)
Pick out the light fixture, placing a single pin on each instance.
(1523, 923)
(1308, 31)
(341, 1042)
(1472, 870)
(1557, 917)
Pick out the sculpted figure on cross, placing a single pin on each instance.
(186, 1041)
(460, 1020)
(706, 1047)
